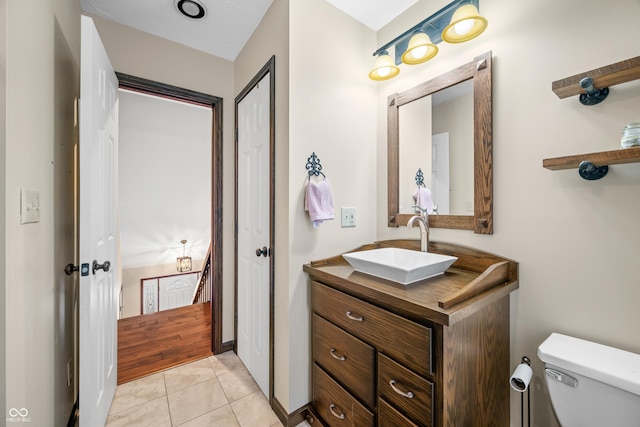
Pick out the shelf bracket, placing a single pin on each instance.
(591, 172)
(592, 96)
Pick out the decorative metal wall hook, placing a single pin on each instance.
(420, 178)
(589, 171)
(592, 96)
(313, 166)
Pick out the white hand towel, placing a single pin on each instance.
(318, 201)
(422, 196)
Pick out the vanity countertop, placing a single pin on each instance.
(474, 281)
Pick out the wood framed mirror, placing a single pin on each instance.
(470, 186)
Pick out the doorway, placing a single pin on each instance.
(150, 87)
(164, 193)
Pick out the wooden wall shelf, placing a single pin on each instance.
(602, 158)
(596, 163)
(610, 75)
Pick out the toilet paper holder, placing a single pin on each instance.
(519, 381)
(521, 376)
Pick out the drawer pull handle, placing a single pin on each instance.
(352, 317)
(335, 355)
(340, 416)
(408, 394)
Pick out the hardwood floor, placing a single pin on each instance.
(154, 342)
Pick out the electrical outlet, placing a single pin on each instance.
(348, 216)
(29, 206)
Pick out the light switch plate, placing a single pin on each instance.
(348, 216)
(29, 206)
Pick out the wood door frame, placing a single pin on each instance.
(269, 67)
(151, 87)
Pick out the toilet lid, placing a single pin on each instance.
(618, 368)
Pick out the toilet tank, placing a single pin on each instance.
(591, 384)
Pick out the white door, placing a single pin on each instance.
(98, 153)
(440, 185)
(253, 232)
(176, 291)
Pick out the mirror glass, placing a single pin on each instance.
(443, 127)
(436, 138)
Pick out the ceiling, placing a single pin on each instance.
(228, 24)
(375, 14)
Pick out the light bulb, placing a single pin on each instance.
(384, 68)
(383, 71)
(463, 27)
(419, 52)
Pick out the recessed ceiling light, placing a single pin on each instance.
(191, 8)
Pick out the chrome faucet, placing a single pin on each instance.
(423, 222)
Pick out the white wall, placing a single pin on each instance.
(575, 240)
(164, 174)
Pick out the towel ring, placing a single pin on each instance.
(313, 166)
(420, 178)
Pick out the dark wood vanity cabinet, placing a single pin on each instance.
(387, 355)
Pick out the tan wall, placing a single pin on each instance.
(332, 112)
(41, 84)
(460, 150)
(576, 241)
(415, 150)
(3, 146)
(272, 38)
(144, 55)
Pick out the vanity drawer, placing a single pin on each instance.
(335, 406)
(408, 392)
(388, 416)
(402, 339)
(349, 360)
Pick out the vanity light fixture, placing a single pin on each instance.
(183, 263)
(457, 22)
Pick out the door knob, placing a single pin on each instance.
(262, 251)
(69, 269)
(106, 266)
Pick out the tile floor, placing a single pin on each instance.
(211, 392)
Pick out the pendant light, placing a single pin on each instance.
(183, 263)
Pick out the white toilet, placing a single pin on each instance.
(591, 384)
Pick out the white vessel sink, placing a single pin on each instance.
(399, 265)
